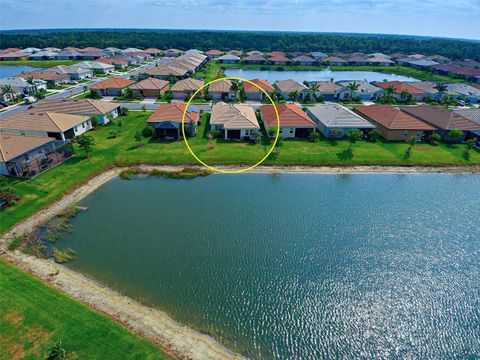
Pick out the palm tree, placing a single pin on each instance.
(353, 136)
(448, 100)
(85, 88)
(235, 85)
(294, 96)
(30, 80)
(412, 141)
(7, 90)
(441, 88)
(352, 87)
(406, 96)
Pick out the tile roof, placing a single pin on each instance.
(328, 86)
(470, 114)
(380, 60)
(88, 49)
(187, 85)
(43, 75)
(289, 115)
(264, 84)
(167, 70)
(229, 57)
(12, 146)
(174, 112)
(441, 118)
(279, 58)
(392, 118)
(112, 61)
(304, 58)
(276, 53)
(334, 59)
(220, 86)
(289, 85)
(399, 87)
(214, 52)
(76, 106)
(151, 84)
(253, 58)
(41, 121)
(117, 83)
(234, 116)
(335, 115)
(363, 86)
(424, 86)
(152, 51)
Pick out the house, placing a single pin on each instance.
(256, 53)
(465, 92)
(279, 60)
(184, 89)
(168, 72)
(294, 122)
(358, 60)
(222, 90)
(474, 116)
(111, 51)
(423, 64)
(29, 50)
(172, 53)
(52, 49)
(327, 90)
(428, 88)
(254, 59)
(380, 61)
(365, 91)
(43, 55)
(289, 86)
(214, 53)
(193, 52)
(150, 87)
(97, 67)
(304, 60)
(400, 87)
(130, 50)
(52, 78)
(14, 55)
(252, 92)
(88, 49)
(394, 124)
(71, 48)
(46, 124)
(67, 55)
(379, 55)
(117, 63)
(334, 121)
(74, 72)
(234, 121)
(167, 120)
(23, 86)
(27, 156)
(448, 69)
(335, 61)
(92, 55)
(444, 120)
(103, 110)
(229, 59)
(112, 86)
(275, 53)
(235, 52)
(318, 55)
(153, 51)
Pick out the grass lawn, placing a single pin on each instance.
(40, 63)
(210, 72)
(33, 316)
(122, 150)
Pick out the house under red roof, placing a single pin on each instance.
(264, 84)
(399, 87)
(290, 115)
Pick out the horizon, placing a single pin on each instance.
(371, 17)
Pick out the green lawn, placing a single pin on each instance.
(51, 185)
(33, 316)
(40, 63)
(210, 72)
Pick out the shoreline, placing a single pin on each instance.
(153, 324)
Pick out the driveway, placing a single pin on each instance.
(149, 100)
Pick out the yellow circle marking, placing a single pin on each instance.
(235, 171)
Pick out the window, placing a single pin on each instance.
(405, 132)
(75, 128)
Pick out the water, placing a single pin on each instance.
(12, 70)
(314, 75)
(297, 266)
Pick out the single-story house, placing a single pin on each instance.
(399, 86)
(474, 116)
(235, 121)
(328, 90)
(448, 69)
(7, 96)
(358, 60)
(294, 122)
(184, 89)
(97, 67)
(88, 49)
(14, 55)
(318, 55)
(117, 63)
(22, 86)
(422, 64)
(304, 60)
(222, 90)
(335, 61)
(235, 52)
(167, 120)
(229, 59)
(289, 86)
(193, 52)
(111, 86)
(252, 92)
(172, 53)
(29, 50)
(168, 72)
(279, 60)
(394, 124)
(111, 51)
(379, 55)
(27, 156)
(43, 55)
(74, 72)
(67, 55)
(214, 53)
(254, 59)
(334, 121)
(444, 120)
(103, 110)
(365, 91)
(130, 50)
(465, 92)
(150, 87)
(256, 53)
(275, 53)
(427, 87)
(47, 124)
(51, 77)
(381, 61)
(153, 51)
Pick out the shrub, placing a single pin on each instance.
(215, 134)
(434, 139)
(123, 111)
(314, 136)
(147, 132)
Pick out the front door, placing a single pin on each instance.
(233, 134)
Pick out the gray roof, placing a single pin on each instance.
(335, 115)
(470, 114)
(426, 86)
(381, 55)
(464, 89)
(424, 62)
(364, 86)
(44, 53)
(229, 57)
(67, 53)
(318, 54)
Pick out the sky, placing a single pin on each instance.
(443, 18)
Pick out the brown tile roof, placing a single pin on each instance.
(220, 86)
(441, 118)
(289, 85)
(167, 70)
(117, 83)
(276, 53)
(7, 50)
(187, 85)
(89, 49)
(152, 51)
(43, 75)
(253, 58)
(264, 84)
(234, 116)
(12, 146)
(12, 54)
(304, 58)
(399, 87)
(41, 121)
(328, 86)
(335, 59)
(151, 84)
(278, 58)
(174, 112)
(289, 114)
(76, 106)
(112, 61)
(392, 118)
(380, 60)
(214, 52)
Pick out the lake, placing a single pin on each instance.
(296, 266)
(12, 70)
(313, 75)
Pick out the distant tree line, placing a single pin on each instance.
(228, 40)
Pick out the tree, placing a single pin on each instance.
(374, 135)
(412, 141)
(7, 89)
(314, 136)
(389, 96)
(448, 100)
(434, 139)
(455, 133)
(314, 86)
(294, 96)
(7, 191)
(352, 87)
(353, 136)
(40, 94)
(85, 88)
(138, 137)
(86, 143)
(469, 145)
(335, 133)
(93, 95)
(30, 80)
(57, 352)
(441, 88)
(94, 119)
(235, 85)
(406, 96)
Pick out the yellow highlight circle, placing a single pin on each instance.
(235, 171)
